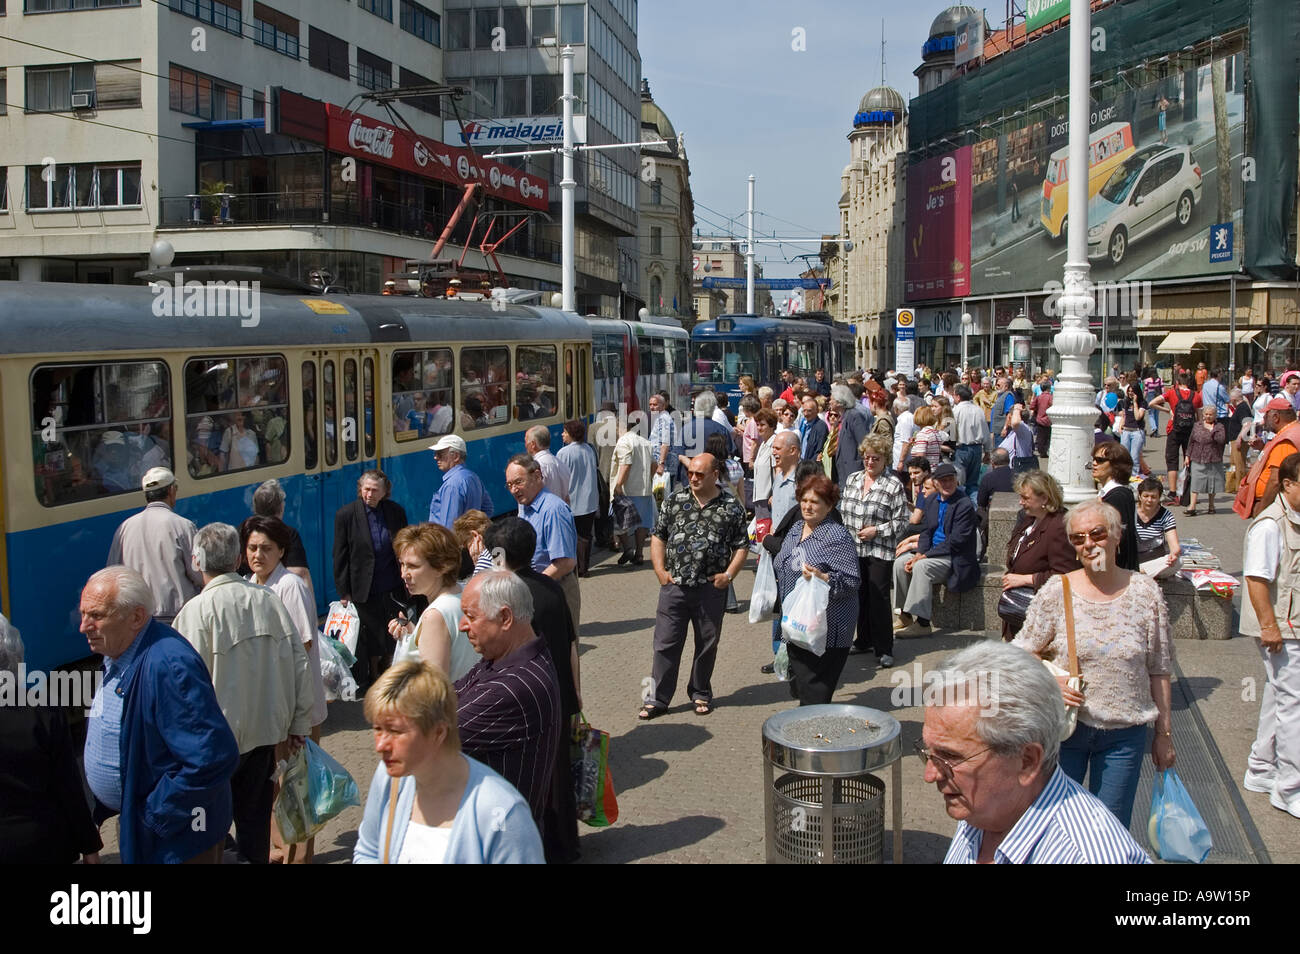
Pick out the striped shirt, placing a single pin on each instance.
(1152, 535)
(883, 506)
(1064, 826)
(508, 712)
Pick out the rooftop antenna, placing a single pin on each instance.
(882, 51)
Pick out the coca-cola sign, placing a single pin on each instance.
(388, 145)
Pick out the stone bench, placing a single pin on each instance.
(1193, 614)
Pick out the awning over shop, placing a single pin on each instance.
(1182, 342)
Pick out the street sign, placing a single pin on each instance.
(1221, 242)
(905, 341)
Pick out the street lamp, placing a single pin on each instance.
(1021, 327)
(966, 322)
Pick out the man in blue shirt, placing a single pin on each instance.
(461, 489)
(158, 749)
(991, 744)
(551, 519)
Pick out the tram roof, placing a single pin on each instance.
(758, 324)
(56, 317)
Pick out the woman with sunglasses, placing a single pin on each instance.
(1122, 642)
(1111, 469)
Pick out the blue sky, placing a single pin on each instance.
(727, 76)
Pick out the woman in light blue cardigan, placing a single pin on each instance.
(428, 802)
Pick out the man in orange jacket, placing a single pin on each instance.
(1260, 487)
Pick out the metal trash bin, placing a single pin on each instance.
(826, 807)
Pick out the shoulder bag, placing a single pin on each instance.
(1075, 681)
(392, 815)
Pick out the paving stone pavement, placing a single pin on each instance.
(690, 787)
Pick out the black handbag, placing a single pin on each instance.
(1013, 604)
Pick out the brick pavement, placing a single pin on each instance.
(690, 787)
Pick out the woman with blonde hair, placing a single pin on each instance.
(429, 560)
(429, 803)
(926, 440)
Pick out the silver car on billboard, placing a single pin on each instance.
(1155, 186)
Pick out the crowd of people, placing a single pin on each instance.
(878, 486)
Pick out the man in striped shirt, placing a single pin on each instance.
(990, 745)
(508, 705)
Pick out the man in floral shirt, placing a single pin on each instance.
(699, 545)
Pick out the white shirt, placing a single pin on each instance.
(720, 416)
(1258, 407)
(424, 845)
(555, 476)
(904, 428)
(1263, 548)
(1247, 385)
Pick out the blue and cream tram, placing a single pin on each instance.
(634, 359)
(733, 345)
(97, 388)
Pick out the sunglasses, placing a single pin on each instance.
(1101, 460)
(1096, 535)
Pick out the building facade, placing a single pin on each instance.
(719, 257)
(1192, 253)
(667, 214)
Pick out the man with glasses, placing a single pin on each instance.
(990, 745)
(699, 545)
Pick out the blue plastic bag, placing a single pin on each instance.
(313, 789)
(1176, 830)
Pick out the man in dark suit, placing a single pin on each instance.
(695, 433)
(1000, 479)
(944, 553)
(365, 569)
(812, 431)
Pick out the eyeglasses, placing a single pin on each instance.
(945, 767)
(872, 457)
(1101, 460)
(697, 473)
(1096, 535)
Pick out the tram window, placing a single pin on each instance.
(331, 414)
(368, 403)
(725, 360)
(803, 357)
(679, 358)
(236, 413)
(423, 400)
(772, 355)
(584, 399)
(644, 357)
(536, 396)
(568, 384)
(484, 387)
(97, 428)
(309, 413)
(350, 410)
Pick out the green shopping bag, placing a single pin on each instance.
(593, 787)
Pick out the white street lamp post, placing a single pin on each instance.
(1073, 413)
(966, 322)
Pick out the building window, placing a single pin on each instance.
(4, 92)
(514, 96)
(656, 241)
(327, 52)
(222, 14)
(50, 6)
(113, 425)
(571, 23)
(485, 21)
(4, 189)
(259, 104)
(657, 192)
(458, 29)
(422, 22)
(275, 30)
(83, 186)
(546, 94)
(656, 291)
(380, 8)
(204, 96)
(236, 413)
(52, 89)
(543, 24)
(485, 96)
(373, 72)
(427, 104)
(515, 20)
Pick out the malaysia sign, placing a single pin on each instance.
(388, 145)
(1039, 13)
(526, 130)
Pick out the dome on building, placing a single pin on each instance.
(652, 115)
(883, 98)
(946, 23)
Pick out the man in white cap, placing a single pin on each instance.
(461, 489)
(156, 543)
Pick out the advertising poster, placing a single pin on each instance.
(1039, 13)
(969, 40)
(1154, 184)
(938, 227)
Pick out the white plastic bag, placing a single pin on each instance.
(1183, 476)
(336, 671)
(763, 598)
(344, 624)
(804, 620)
(781, 664)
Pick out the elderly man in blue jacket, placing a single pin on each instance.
(944, 552)
(158, 749)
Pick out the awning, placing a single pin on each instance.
(258, 123)
(1182, 342)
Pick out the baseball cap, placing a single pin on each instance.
(449, 442)
(944, 470)
(1279, 404)
(157, 478)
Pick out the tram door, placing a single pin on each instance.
(340, 441)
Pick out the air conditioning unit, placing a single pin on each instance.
(81, 100)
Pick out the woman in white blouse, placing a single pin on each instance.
(429, 559)
(1122, 640)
